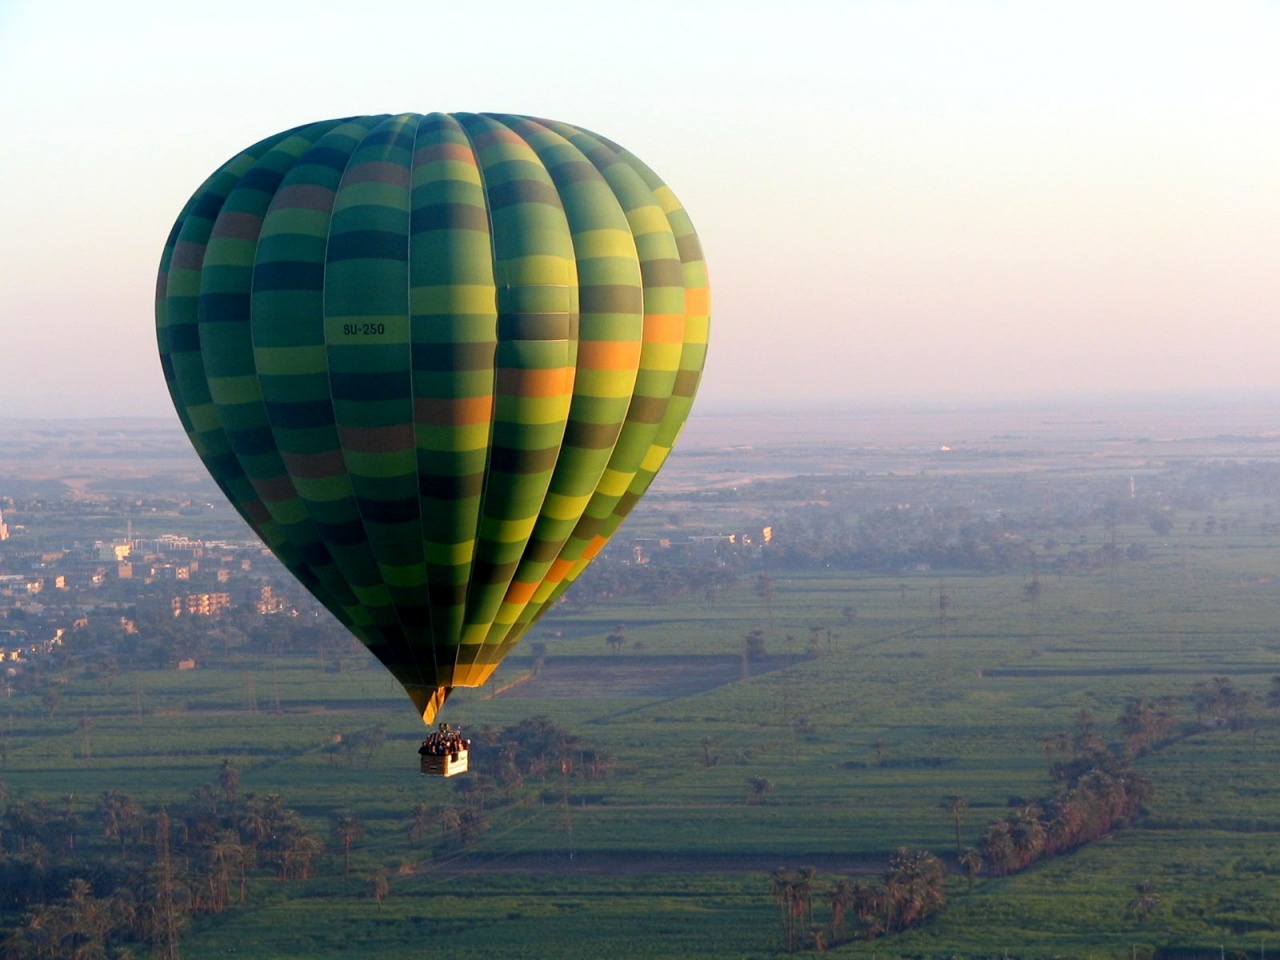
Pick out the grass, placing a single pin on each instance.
(959, 705)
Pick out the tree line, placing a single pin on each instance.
(907, 894)
(1098, 791)
(97, 883)
(534, 760)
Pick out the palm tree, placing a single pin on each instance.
(1220, 701)
(841, 897)
(301, 850)
(252, 827)
(997, 848)
(347, 829)
(506, 771)
(70, 820)
(166, 896)
(813, 649)
(420, 820)
(1146, 903)
(229, 779)
(110, 806)
(449, 821)
(971, 862)
(374, 740)
(379, 886)
(32, 823)
(86, 727)
(914, 887)
(804, 891)
(225, 856)
(783, 889)
(760, 786)
(955, 805)
(765, 591)
(86, 920)
(471, 824)
(596, 763)
(707, 759)
(1027, 834)
(870, 904)
(121, 913)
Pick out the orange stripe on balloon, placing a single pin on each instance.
(444, 151)
(463, 412)
(556, 382)
(664, 328)
(495, 134)
(608, 355)
(697, 301)
(559, 567)
(595, 546)
(520, 592)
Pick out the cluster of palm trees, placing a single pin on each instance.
(536, 752)
(1099, 803)
(458, 826)
(1148, 724)
(83, 925)
(1099, 792)
(1220, 703)
(910, 891)
(538, 749)
(143, 872)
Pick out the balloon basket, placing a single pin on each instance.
(447, 765)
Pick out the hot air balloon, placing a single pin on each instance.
(433, 361)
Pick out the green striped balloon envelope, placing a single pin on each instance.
(433, 361)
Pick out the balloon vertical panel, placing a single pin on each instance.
(454, 319)
(287, 328)
(289, 350)
(227, 354)
(536, 276)
(179, 338)
(609, 351)
(367, 338)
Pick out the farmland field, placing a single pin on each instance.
(871, 697)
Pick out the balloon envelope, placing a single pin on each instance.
(433, 361)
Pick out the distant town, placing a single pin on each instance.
(118, 586)
(45, 593)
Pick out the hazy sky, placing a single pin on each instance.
(897, 200)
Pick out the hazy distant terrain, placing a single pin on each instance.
(121, 454)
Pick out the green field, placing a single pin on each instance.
(877, 696)
(666, 857)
